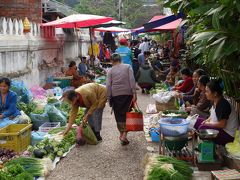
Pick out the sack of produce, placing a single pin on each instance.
(38, 120)
(23, 119)
(53, 101)
(88, 134)
(55, 115)
(38, 91)
(233, 147)
(24, 95)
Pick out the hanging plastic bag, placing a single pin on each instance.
(88, 134)
(55, 115)
(80, 139)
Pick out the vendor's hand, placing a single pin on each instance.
(188, 109)
(63, 133)
(206, 122)
(85, 119)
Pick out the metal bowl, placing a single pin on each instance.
(207, 133)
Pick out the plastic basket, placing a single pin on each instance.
(154, 132)
(15, 137)
(173, 126)
(47, 126)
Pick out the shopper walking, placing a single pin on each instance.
(121, 92)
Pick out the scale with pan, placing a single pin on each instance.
(207, 156)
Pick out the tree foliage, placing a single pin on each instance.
(213, 31)
(133, 12)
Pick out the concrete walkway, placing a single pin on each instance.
(107, 160)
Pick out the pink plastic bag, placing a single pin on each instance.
(38, 92)
(80, 139)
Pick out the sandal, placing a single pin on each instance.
(124, 142)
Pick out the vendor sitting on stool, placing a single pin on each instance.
(222, 116)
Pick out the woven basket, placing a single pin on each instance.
(170, 105)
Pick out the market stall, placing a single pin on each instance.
(169, 126)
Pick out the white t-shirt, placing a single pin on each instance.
(144, 46)
(232, 121)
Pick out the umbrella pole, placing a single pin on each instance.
(92, 57)
(78, 46)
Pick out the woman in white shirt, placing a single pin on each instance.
(222, 115)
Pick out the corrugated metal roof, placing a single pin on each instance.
(55, 6)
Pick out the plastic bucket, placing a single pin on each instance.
(154, 133)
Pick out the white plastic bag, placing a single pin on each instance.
(151, 109)
(163, 96)
(192, 120)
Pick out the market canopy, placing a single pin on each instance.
(112, 29)
(78, 21)
(160, 23)
(110, 24)
(166, 23)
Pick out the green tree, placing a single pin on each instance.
(133, 12)
(214, 37)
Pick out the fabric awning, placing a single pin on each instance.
(169, 22)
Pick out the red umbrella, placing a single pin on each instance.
(78, 21)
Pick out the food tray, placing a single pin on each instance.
(47, 126)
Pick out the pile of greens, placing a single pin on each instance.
(27, 108)
(169, 168)
(158, 86)
(52, 148)
(15, 172)
(52, 100)
(34, 166)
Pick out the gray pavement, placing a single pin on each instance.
(107, 160)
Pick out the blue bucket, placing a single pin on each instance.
(154, 132)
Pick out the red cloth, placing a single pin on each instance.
(186, 86)
(80, 100)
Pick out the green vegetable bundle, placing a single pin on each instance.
(180, 171)
(35, 167)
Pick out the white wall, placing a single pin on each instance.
(31, 58)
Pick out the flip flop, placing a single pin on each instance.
(124, 142)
